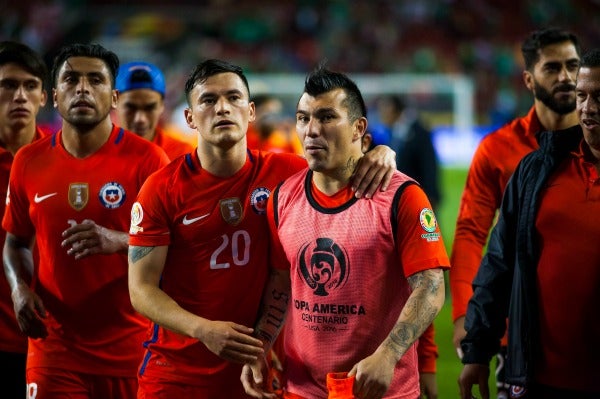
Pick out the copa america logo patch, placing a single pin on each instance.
(137, 215)
(427, 220)
(324, 266)
(258, 200)
(112, 195)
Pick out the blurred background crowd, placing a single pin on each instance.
(476, 38)
(473, 40)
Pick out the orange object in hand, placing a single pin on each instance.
(340, 386)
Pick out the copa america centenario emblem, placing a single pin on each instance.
(323, 265)
(137, 215)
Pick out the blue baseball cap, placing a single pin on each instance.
(140, 75)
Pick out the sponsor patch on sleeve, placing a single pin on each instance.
(137, 214)
(429, 224)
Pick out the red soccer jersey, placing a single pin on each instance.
(11, 337)
(92, 327)
(217, 262)
(568, 277)
(348, 266)
(492, 166)
(171, 145)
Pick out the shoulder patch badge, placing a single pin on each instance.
(427, 220)
(137, 215)
(429, 224)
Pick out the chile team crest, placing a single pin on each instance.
(324, 266)
(112, 195)
(258, 200)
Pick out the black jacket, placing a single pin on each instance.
(417, 158)
(505, 285)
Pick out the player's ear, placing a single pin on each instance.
(528, 80)
(359, 128)
(252, 112)
(44, 98)
(189, 118)
(115, 98)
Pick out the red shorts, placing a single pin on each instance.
(160, 389)
(52, 383)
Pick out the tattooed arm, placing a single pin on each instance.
(226, 339)
(272, 315)
(274, 306)
(374, 373)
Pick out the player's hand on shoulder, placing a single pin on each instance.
(374, 171)
(30, 312)
(231, 341)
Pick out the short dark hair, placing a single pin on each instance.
(591, 59)
(86, 50)
(322, 80)
(209, 68)
(539, 39)
(25, 57)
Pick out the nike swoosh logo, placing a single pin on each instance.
(187, 221)
(38, 199)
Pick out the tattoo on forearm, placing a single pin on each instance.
(431, 279)
(276, 313)
(273, 316)
(418, 312)
(137, 253)
(402, 336)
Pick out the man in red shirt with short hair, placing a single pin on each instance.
(141, 87)
(551, 58)
(22, 94)
(71, 193)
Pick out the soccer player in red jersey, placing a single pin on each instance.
(357, 281)
(141, 87)
(22, 94)
(542, 267)
(199, 247)
(551, 58)
(71, 193)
